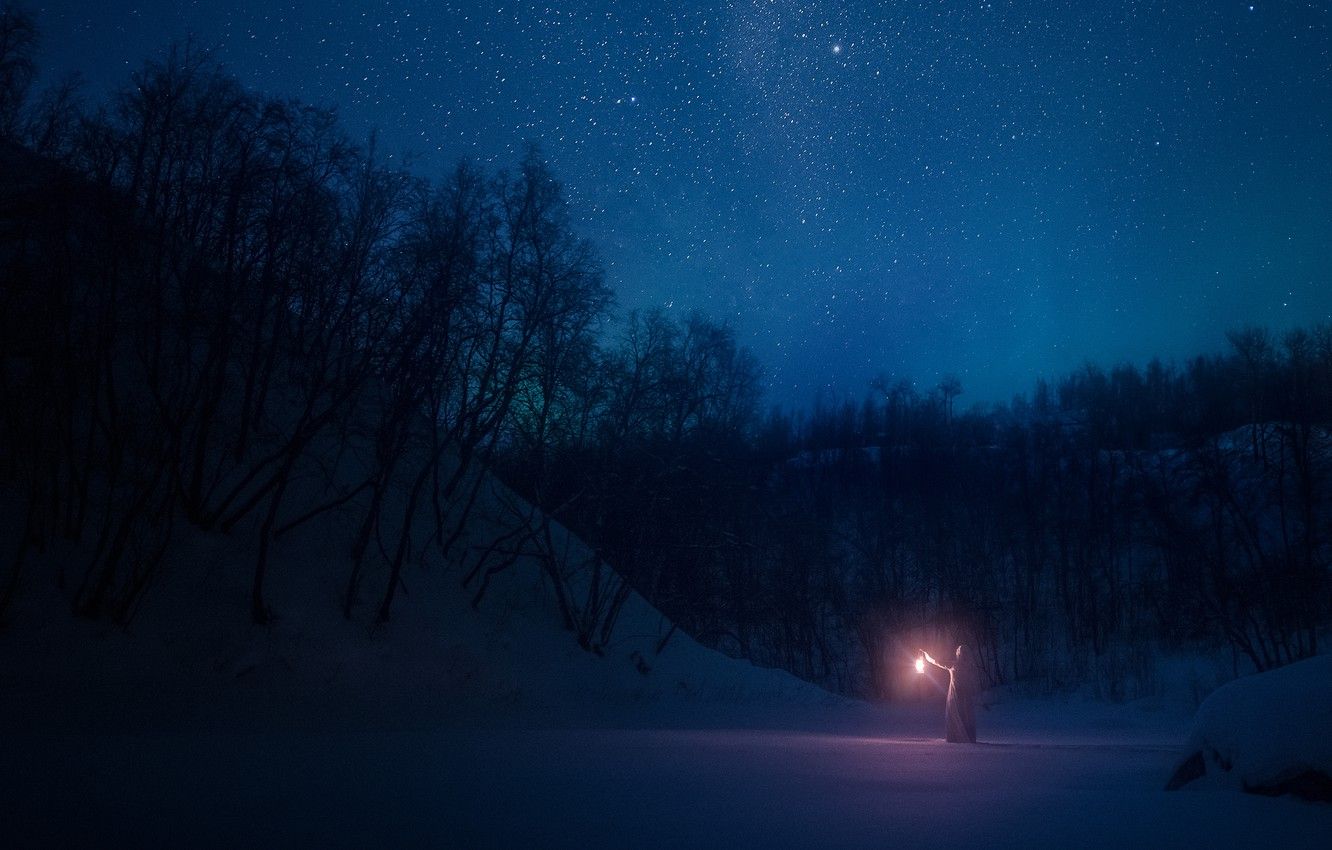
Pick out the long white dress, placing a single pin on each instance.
(960, 711)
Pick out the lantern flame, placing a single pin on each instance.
(920, 665)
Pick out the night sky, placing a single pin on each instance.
(999, 190)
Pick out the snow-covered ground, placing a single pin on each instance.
(1090, 777)
(459, 728)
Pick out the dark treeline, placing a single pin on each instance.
(1072, 535)
(220, 313)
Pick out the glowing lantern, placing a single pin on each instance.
(920, 665)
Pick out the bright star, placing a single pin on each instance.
(837, 48)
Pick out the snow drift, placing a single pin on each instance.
(1266, 734)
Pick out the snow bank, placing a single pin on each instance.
(1268, 734)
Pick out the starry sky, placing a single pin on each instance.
(1000, 190)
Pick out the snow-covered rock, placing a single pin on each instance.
(1269, 733)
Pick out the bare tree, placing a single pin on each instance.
(18, 43)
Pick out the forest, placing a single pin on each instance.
(210, 293)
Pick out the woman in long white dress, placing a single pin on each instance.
(960, 711)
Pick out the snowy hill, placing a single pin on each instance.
(192, 655)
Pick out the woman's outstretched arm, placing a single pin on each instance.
(930, 659)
